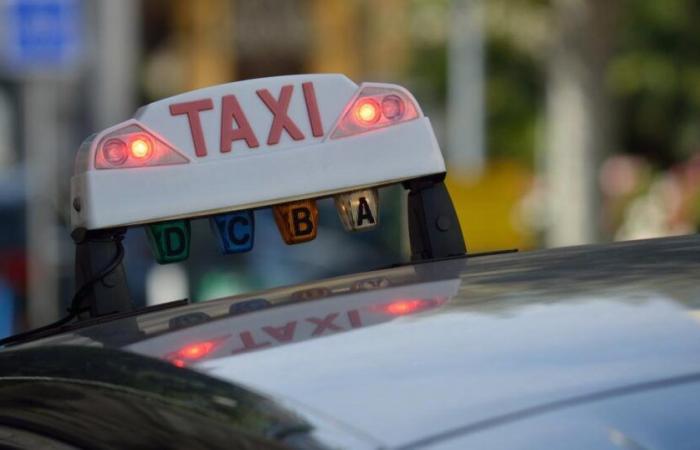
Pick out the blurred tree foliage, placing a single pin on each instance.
(653, 76)
(429, 34)
(514, 91)
(514, 79)
(655, 79)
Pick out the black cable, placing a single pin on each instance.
(75, 307)
(79, 296)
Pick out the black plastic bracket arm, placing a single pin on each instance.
(433, 226)
(100, 279)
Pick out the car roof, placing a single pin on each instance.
(417, 350)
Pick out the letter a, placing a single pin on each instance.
(231, 112)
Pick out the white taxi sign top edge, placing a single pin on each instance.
(258, 143)
(244, 84)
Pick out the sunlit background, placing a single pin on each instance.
(563, 122)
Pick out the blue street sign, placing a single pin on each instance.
(41, 35)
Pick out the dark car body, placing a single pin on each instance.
(579, 347)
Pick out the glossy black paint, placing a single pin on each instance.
(101, 398)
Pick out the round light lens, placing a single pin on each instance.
(114, 152)
(392, 107)
(367, 111)
(141, 148)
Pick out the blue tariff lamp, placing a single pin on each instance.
(235, 231)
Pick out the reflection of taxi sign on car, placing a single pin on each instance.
(283, 142)
(296, 320)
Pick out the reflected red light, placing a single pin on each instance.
(402, 307)
(178, 362)
(409, 306)
(196, 350)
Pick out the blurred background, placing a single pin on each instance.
(563, 122)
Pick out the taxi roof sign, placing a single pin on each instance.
(226, 150)
(251, 144)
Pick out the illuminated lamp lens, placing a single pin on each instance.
(141, 148)
(367, 111)
(392, 107)
(114, 152)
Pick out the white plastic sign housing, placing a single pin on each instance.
(250, 144)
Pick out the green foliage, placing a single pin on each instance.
(514, 90)
(429, 73)
(654, 78)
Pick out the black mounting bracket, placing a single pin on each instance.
(100, 278)
(433, 226)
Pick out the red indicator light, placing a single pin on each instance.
(367, 111)
(114, 152)
(376, 107)
(392, 107)
(196, 350)
(141, 148)
(134, 146)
